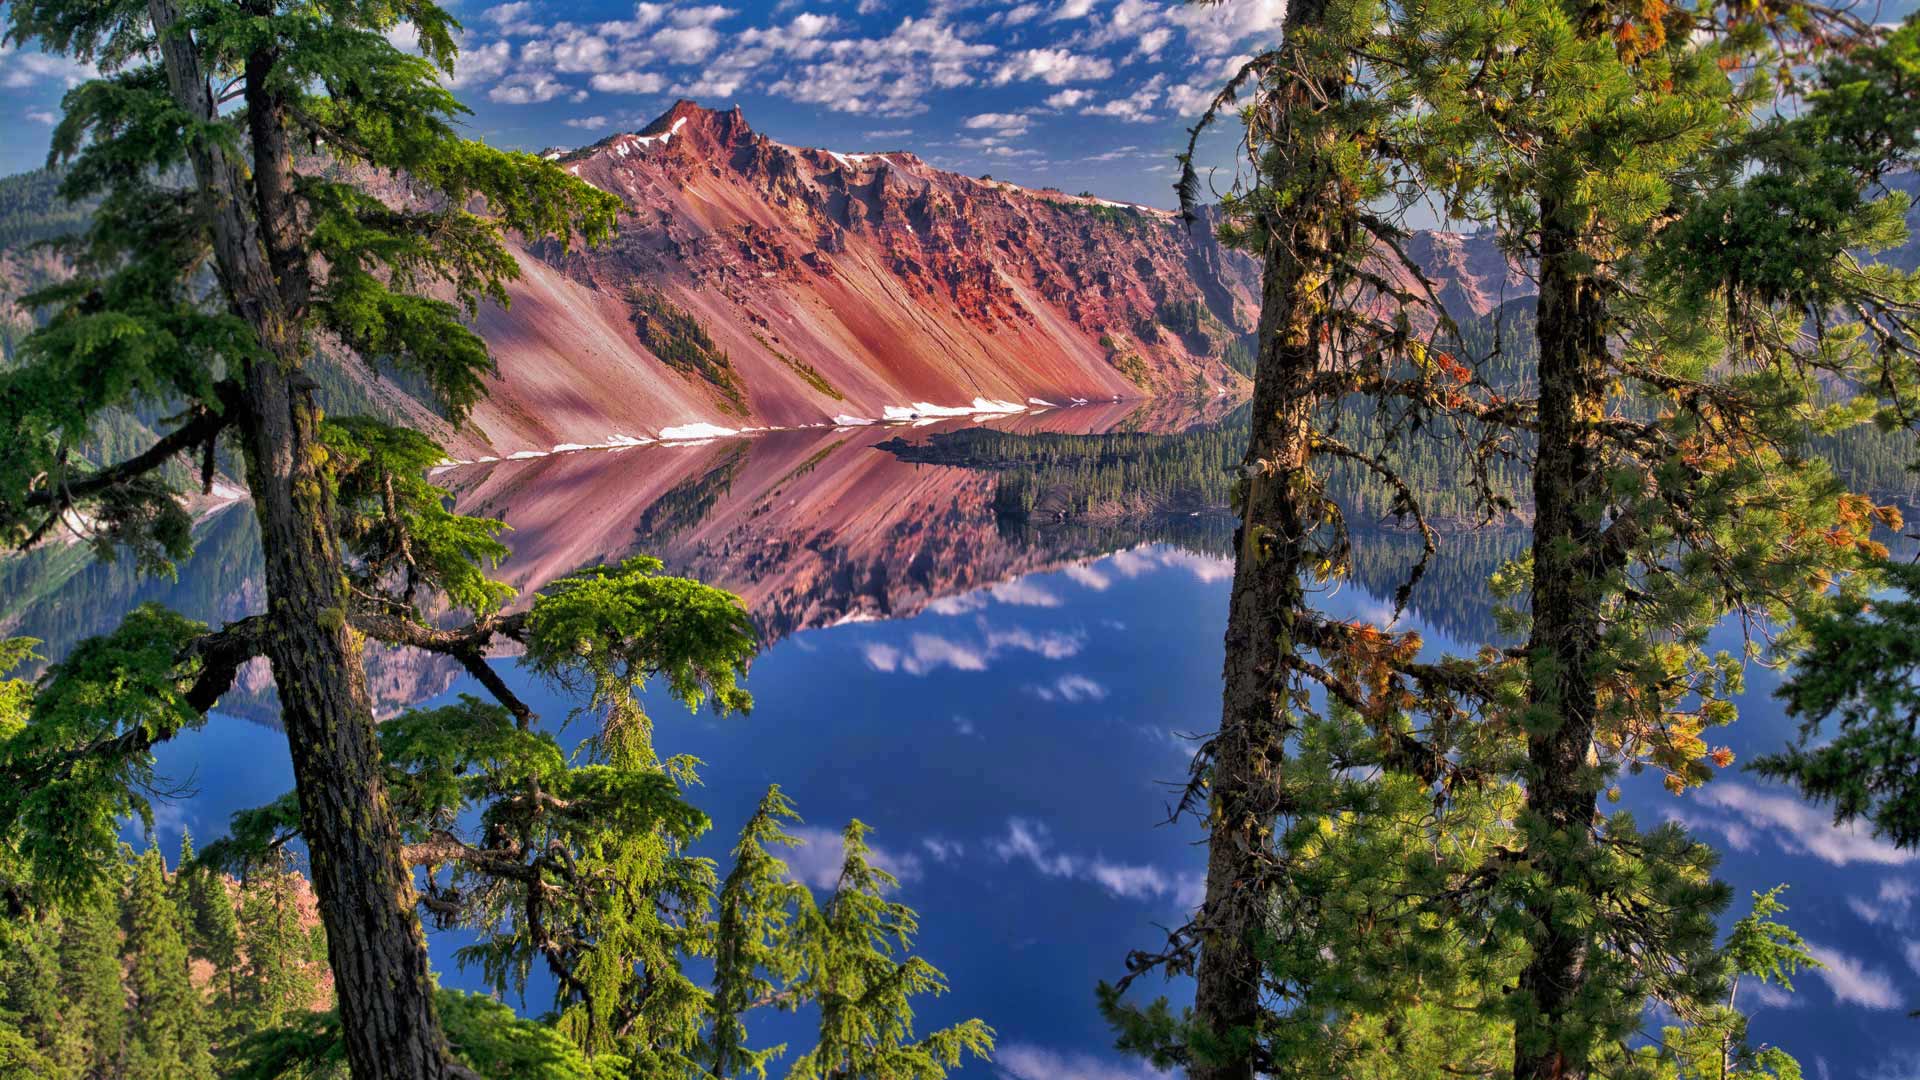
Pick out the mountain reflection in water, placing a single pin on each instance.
(1004, 700)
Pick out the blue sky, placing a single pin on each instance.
(1081, 94)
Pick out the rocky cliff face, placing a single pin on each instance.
(759, 285)
(831, 286)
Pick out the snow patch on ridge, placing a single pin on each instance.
(663, 138)
(1041, 403)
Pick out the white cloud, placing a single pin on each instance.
(1052, 644)
(1067, 99)
(629, 82)
(1008, 125)
(1022, 1061)
(1214, 29)
(1912, 950)
(1029, 842)
(810, 25)
(515, 18)
(888, 133)
(1020, 13)
(1153, 42)
(1022, 592)
(527, 88)
(645, 18)
(1766, 996)
(1136, 107)
(41, 116)
(817, 860)
(963, 726)
(887, 76)
(1191, 98)
(686, 44)
(1147, 558)
(569, 49)
(943, 850)
(481, 63)
(1088, 577)
(1070, 9)
(588, 123)
(925, 653)
(1074, 689)
(1801, 829)
(1853, 982)
(1891, 905)
(19, 70)
(1054, 67)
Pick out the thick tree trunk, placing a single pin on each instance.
(1568, 592)
(365, 891)
(1279, 511)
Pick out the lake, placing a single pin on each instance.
(1007, 707)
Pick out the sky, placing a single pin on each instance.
(1082, 95)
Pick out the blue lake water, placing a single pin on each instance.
(1008, 713)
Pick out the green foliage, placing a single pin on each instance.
(396, 523)
(282, 947)
(674, 335)
(31, 211)
(168, 1036)
(757, 925)
(856, 962)
(1859, 673)
(84, 761)
(485, 1034)
(801, 368)
(606, 630)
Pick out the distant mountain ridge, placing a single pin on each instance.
(755, 284)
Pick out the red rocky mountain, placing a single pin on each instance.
(755, 284)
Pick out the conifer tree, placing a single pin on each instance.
(213, 932)
(300, 256)
(859, 969)
(92, 985)
(1700, 320)
(1858, 672)
(168, 1036)
(277, 980)
(760, 908)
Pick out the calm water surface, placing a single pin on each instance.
(1007, 710)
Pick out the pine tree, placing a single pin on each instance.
(93, 984)
(300, 256)
(1858, 671)
(1346, 326)
(754, 937)
(168, 1039)
(277, 980)
(207, 906)
(1690, 343)
(859, 969)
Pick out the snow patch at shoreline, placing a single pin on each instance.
(843, 420)
(700, 430)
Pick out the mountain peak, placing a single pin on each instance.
(689, 113)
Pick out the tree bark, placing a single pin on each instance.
(365, 891)
(1569, 498)
(1278, 514)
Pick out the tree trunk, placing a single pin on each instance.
(1278, 512)
(365, 891)
(1569, 496)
